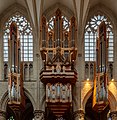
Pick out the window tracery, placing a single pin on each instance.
(91, 34)
(90, 37)
(25, 36)
(66, 23)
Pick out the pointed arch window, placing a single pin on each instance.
(91, 34)
(25, 36)
(53, 25)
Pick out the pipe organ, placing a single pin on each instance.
(58, 51)
(100, 94)
(15, 73)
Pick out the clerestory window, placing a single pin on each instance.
(91, 34)
(25, 36)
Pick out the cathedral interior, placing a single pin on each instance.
(58, 60)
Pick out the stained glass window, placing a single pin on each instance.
(91, 34)
(25, 36)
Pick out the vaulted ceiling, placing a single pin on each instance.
(4, 4)
(78, 7)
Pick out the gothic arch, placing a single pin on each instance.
(12, 10)
(4, 17)
(4, 100)
(86, 97)
(111, 99)
(27, 93)
(101, 9)
(66, 11)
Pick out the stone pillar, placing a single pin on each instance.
(39, 115)
(113, 115)
(2, 115)
(78, 115)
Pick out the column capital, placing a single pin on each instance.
(113, 115)
(39, 115)
(79, 114)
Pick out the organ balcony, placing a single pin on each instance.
(58, 69)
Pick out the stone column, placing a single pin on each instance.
(113, 115)
(78, 115)
(39, 115)
(2, 115)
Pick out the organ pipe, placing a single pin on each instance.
(43, 31)
(100, 94)
(15, 82)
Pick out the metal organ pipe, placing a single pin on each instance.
(19, 58)
(72, 44)
(100, 95)
(13, 52)
(15, 84)
(58, 28)
(58, 55)
(43, 32)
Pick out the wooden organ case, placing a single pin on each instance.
(58, 51)
(100, 93)
(15, 75)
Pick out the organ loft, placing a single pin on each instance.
(58, 51)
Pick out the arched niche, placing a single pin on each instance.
(4, 100)
(25, 114)
(66, 11)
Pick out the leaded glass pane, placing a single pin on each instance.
(25, 35)
(91, 34)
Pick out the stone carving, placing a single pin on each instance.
(113, 115)
(39, 115)
(78, 115)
